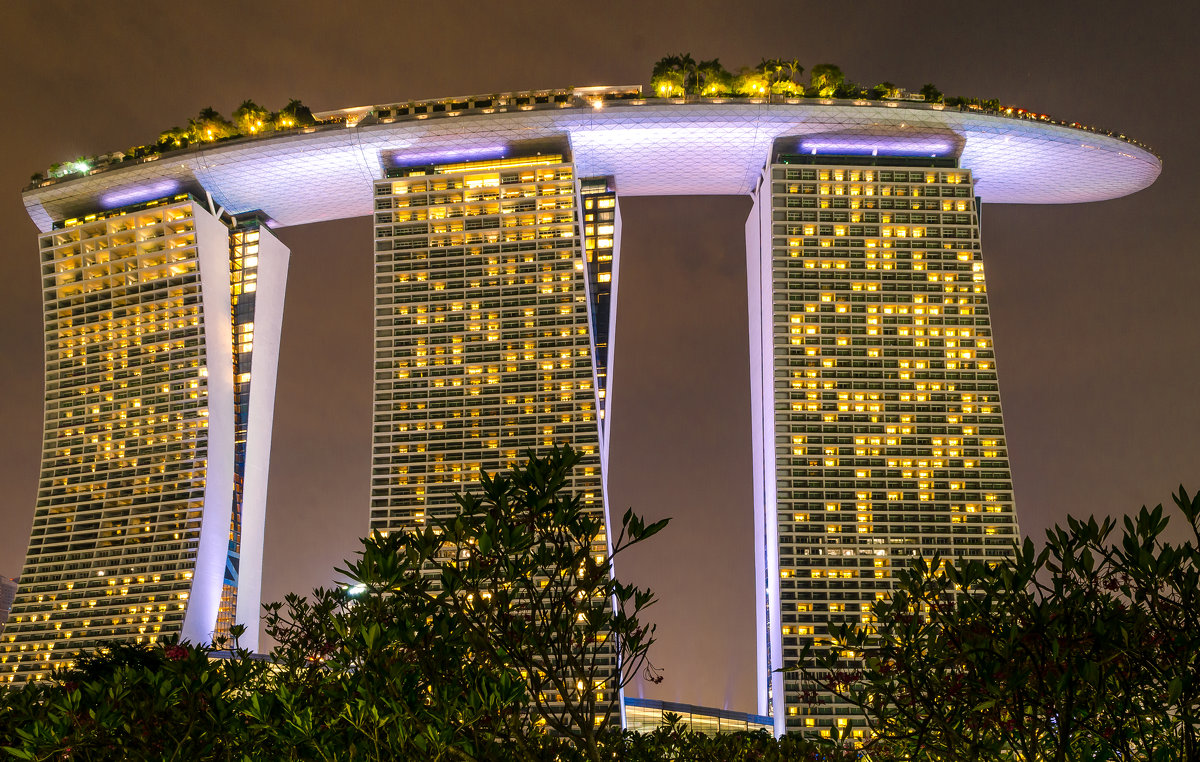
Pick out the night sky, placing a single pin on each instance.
(1094, 306)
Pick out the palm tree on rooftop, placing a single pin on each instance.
(794, 69)
(826, 79)
(667, 65)
(209, 125)
(773, 70)
(688, 68)
(673, 73)
(711, 78)
(250, 117)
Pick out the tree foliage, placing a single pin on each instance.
(680, 75)
(885, 90)
(1086, 649)
(294, 114)
(531, 584)
(209, 125)
(751, 83)
(379, 668)
(170, 702)
(468, 638)
(670, 75)
(674, 741)
(930, 93)
(825, 79)
(251, 118)
(712, 78)
(482, 636)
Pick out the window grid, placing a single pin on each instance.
(125, 449)
(482, 347)
(889, 437)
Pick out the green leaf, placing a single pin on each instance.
(1174, 690)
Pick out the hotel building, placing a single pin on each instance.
(483, 302)
(152, 493)
(8, 592)
(876, 416)
(878, 436)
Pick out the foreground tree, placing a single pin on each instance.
(465, 639)
(380, 669)
(531, 584)
(164, 702)
(1087, 649)
(1161, 581)
(473, 633)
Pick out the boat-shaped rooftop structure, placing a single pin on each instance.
(649, 146)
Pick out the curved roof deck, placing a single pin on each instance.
(708, 146)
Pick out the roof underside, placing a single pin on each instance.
(656, 149)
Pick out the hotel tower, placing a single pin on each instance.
(490, 277)
(162, 328)
(878, 435)
(877, 432)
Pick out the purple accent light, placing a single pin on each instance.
(136, 194)
(877, 146)
(403, 159)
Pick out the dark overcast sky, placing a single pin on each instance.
(1094, 306)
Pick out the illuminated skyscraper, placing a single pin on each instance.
(152, 495)
(878, 435)
(482, 343)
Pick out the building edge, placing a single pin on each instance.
(273, 261)
(766, 545)
(204, 598)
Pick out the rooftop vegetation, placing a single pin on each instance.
(680, 75)
(209, 126)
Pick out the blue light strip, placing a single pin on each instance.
(399, 159)
(136, 194)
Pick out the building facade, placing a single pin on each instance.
(147, 507)
(484, 340)
(877, 428)
(8, 592)
(878, 434)
(647, 715)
